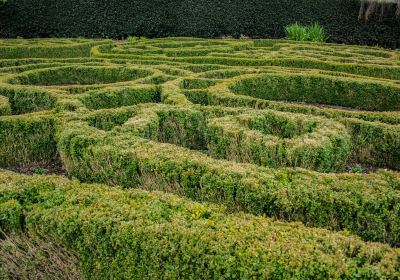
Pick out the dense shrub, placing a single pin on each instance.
(121, 156)
(125, 234)
(237, 122)
(82, 75)
(309, 88)
(298, 32)
(22, 101)
(61, 48)
(280, 139)
(204, 18)
(25, 139)
(113, 98)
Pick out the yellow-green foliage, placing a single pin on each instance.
(264, 126)
(19, 48)
(270, 138)
(100, 149)
(5, 108)
(27, 138)
(134, 234)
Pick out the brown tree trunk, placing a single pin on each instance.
(362, 10)
(370, 10)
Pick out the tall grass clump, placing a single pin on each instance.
(296, 32)
(313, 32)
(135, 39)
(316, 33)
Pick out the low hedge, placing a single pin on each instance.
(121, 234)
(364, 204)
(27, 100)
(375, 135)
(321, 89)
(88, 117)
(84, 75)
(375, 143)
(61, 49)
(121, 96)
(276, 139)
(360, 66)
(27, 139)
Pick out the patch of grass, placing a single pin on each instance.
(316, 33)
(313, 32)
(135, 39)
(25, 256)
(296, 32)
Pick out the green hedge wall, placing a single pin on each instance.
(64, 50)
(101, 150)
(202, 18)
(26, 139)
(134, 234)
(277, 139)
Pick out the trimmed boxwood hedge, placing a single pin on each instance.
(276, 139)
(309, 88)
(164, 115)
(27, 139)
(121, 96)
(23, 100)
(134, 234)
(200, 18)
(81, 75)
(375, 135)
(128, 155)
(62, 48)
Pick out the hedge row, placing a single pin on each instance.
(170, 148)
(285, 60)
(121, 96)
(26, 139)
(275, 139)
(367, 205)
(375, 136)
(203, 18)
(81, 75)
(121, 234)
(321, 89)
(23, 100)
(63, 48)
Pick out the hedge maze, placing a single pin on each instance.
(253, 138)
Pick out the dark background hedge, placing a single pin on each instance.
(201, 18)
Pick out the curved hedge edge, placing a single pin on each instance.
(377, 71)
(121, 96)
(277, 139)
(367, 205)
(361, 125)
